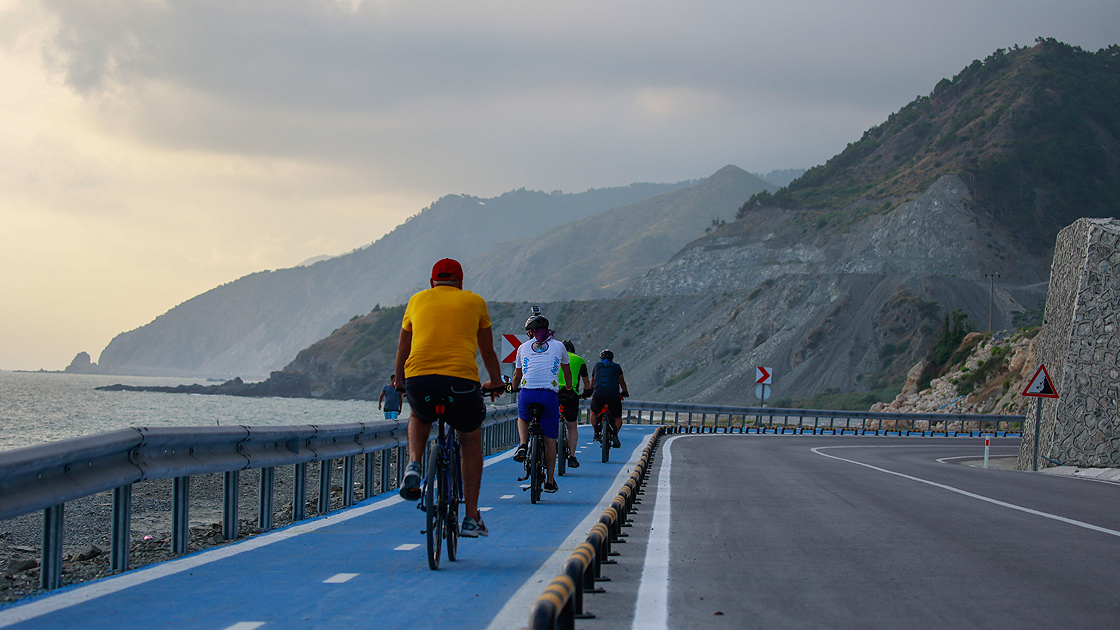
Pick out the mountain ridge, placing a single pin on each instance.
(597, 256)
(257, 323)
(845, 296)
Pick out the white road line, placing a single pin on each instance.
(946, 460)
(651, 609)
(406, 547)
(506, 496)
(1012, 506)
(246, 625)
(485, 509)
(340, 578)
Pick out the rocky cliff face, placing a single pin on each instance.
(82, 364)
(936, 234)
(990, 379)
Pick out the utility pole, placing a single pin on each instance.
(991, 294)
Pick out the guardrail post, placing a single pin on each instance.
(299, 492)
(180, 512)
(50, 562)
(370, 468)
(402, 462)
(383, 457)
(264, 514)
(122, 529)
(230, 489)
(348, 481)
(325, 467)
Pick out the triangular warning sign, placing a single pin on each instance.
(1041, 385)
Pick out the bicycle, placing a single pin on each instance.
(442, 491)
(606, 432)
(534, 464)
(562, 449)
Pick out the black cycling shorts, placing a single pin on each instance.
(569, 405)
(461, 398)
(614, 405)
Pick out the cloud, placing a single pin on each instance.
(180, 144)
(418, 92)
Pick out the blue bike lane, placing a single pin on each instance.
(364, 566)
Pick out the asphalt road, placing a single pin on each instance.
(791, 531)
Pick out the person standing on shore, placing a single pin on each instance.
(442, 330)
(392, 399)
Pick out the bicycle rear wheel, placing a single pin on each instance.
(435, 505)
(606, 432)
(562, 448)
(454, 491)
(536, 463)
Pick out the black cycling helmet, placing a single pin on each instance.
(606, 354)
(535, 322)
(569, 346)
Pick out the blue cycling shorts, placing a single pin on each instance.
(550, 422)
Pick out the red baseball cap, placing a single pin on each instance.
(447, 269)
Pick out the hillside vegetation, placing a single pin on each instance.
(1034, 131)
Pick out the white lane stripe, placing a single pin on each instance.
(246, 625)
(406, 547)
(516, 610)
(340, 578)
(1012, 506)
(107, 586)
(651, 609)
(485, 509)
(506, 496)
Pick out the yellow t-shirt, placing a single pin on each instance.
(444, 322)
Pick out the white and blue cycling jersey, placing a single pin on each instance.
(540, 364)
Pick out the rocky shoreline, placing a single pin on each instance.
(278, 384)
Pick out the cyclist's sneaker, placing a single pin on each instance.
(615, 443)
(410, 485)
(472, 528)
(573, 462)
(598, 437)
(549, 487)
(521, 454)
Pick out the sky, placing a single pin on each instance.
(152, 150)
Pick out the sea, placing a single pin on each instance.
(41, 407)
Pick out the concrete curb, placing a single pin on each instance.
(1100, 474)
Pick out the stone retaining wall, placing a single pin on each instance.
(1080, 347)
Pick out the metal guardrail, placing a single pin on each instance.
(777, 420)
(46, 476)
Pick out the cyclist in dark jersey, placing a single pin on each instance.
(609, 388)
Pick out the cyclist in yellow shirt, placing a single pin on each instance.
(442, 329)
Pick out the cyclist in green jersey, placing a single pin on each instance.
(569, 399)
